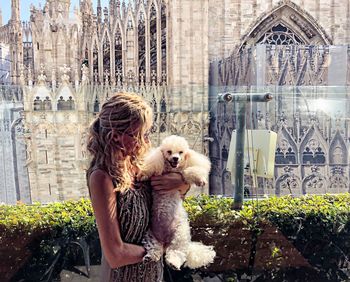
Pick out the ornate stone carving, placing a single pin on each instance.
(83, 143)
(263, 25)
(21, 76)
(65, 77)
(53, 78)
(303, 26)
(85, 74)
(41, 77)
(280, 35)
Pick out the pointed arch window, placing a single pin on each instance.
(106, 55)
(95, 62)
(118, 50)
(164, 35)
(280, 35)
(86, 56)
(286, 24)
(142, 44)
(153, 39)
(130, 40)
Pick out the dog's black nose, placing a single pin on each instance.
(175, 159)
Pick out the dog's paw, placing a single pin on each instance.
(199, 255)
(142, 177)
(200, 182)
(175, 258)
(153, 255)
(154, 249)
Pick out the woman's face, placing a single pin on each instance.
(130, 138)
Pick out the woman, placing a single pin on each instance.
(118, 140)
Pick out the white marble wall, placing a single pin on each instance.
(14, 184)
(5, 64)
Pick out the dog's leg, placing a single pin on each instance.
(162, 224)
(176, 253)
(163, 210)
(199, 255)
(195, 175)
(154, 249)
(182, 250)
(197, 169)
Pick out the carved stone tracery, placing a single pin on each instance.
(310, 143)
(302, 27)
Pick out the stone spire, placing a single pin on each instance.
(123, 9)
(59, 6)
(99, 11)
(16, 42)
(111, 8)
(86, 7)
(15, 14)
(118, 8)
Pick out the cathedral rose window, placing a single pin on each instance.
(280, 35)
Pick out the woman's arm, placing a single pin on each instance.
(170, 182)
(103, 199)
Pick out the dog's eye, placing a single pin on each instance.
(180, 152)
(169, 152)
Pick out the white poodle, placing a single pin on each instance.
(170, 229)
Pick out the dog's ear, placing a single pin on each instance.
(155, 162)
(187, 155)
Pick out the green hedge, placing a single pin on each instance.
(314, 228)
(76, 216)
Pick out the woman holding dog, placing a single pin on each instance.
(118, 140)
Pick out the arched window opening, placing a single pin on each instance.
(164, 37)
(95, 63)
(130, 41)
(27, 54)
(280, 35)
(286, 24)
(106, 55)
(86, 56)
(118, 50)
(38, 104)
(96, 105)
(142, 45)
(65, 105)
(153, 39)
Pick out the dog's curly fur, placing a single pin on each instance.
(170, 229)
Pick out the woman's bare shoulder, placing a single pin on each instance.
(99, 174)
(100, 179)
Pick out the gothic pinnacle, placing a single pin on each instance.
(15, 11)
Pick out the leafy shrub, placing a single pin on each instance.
(75, 216)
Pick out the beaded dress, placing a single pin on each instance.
(134, 207)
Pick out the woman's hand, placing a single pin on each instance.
(170, 182)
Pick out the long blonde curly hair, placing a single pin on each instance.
(124, 113)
